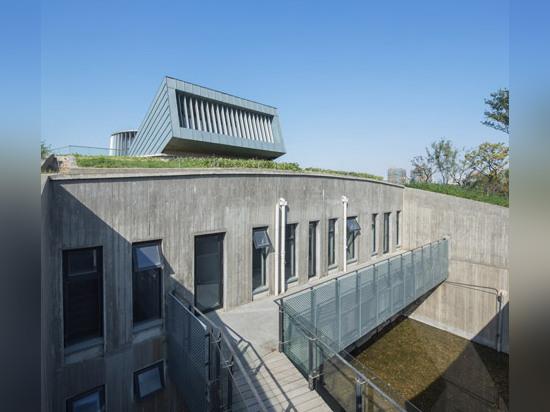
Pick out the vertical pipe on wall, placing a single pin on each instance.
(283, 204)
(276, 247)
(345, 232)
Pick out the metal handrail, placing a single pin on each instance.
(236, 359)
(334, 353)
(357, 270)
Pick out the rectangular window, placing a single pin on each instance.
(397, 216)
(373, 234)
(352, 228)
(386, 232)
(93, 400)
(149, 381)
(290, 252)
(331, 242)
(312, 250)
(260, 249)
(147, 282)
(82, 294)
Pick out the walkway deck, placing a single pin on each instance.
(254, 329)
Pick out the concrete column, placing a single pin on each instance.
(270, 129)
(219, 122)
(213, 114)
(186, 116)
(208, 121)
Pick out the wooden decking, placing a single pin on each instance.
(280, 385)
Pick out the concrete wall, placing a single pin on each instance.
(115, 210)
(478, 256)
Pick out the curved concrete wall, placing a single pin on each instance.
(466, 304)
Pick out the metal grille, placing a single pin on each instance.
(188, 341)
(343, 310)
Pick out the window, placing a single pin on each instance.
(397, 216)
(373, 233)
(353, 229)
(260, 249)
(312, 250)
(82, 295)
(149, 381)
(290, 252)
(386, 232)
(147, 282)
(331, 242)
(92, 401)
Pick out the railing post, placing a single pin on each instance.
(311, 368)
(281, 327)
(358, 291)
(229, 406)
(338, 339)
(358, 394)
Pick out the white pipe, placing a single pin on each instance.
(283, 203)
(345, 234)
(276, 247)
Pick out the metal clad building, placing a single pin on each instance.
(188, 119)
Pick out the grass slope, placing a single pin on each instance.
(467, 193)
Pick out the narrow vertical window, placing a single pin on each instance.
(352, 228)
(312, 250)
(82, 295)
(386, 232)
(397, 216)
(147, 282)
(290, 253)
(373, 233)
(260, 249)
(331, 242)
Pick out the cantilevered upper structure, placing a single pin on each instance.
(188, 119)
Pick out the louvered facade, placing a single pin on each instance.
(186, 119)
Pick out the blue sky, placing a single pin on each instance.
(360, 85)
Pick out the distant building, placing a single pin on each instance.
(397, 175)
(185, 119)
(121, 142)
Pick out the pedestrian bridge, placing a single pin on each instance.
(317, 325)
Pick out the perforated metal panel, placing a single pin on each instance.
(187, 354)
(341, 311)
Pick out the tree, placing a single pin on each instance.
(498, 115)
(443, 157)
(44, 149)
(489, 161)
(422, 168)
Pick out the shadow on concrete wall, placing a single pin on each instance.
(73, 225)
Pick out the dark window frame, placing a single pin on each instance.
(352, 231)
(159, 269)
(397, 237)
(137, 392)
(312, 249)
(260, 251)
(70, 281)
(100, 389)
(290, 261)
(386, 245)
(373, 234)
(331, 242)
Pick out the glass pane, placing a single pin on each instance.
(149, 381)
(82, 310)
(208, 272)
(352, 224)
(312, 248)
(147, 256)
(289, 252)
(258, 268)
(146, 290)
(261, 239)
(89, 403)
(82, 261)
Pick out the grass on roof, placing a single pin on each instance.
(201, 163)
(464, 192)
